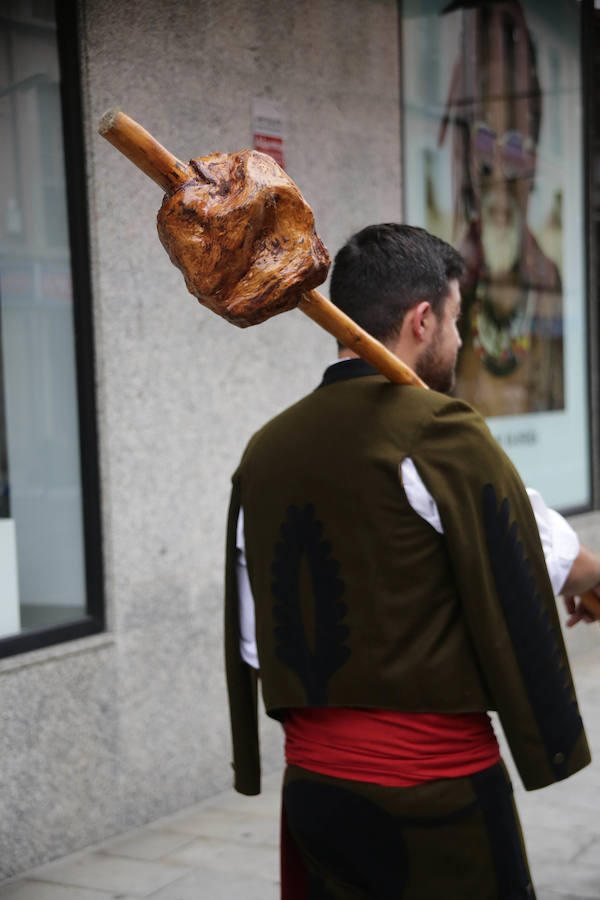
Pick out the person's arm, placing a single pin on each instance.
(504, 591)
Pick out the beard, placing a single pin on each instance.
(501, 242)
(437, 373)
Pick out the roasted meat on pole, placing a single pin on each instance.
(243, 236)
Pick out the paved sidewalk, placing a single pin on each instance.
(226, 848)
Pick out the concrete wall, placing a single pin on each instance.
(107, 732)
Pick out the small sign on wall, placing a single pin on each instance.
(10, 617)
(267, 129)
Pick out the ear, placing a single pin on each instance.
(420, 318)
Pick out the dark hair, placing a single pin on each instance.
(385, 270)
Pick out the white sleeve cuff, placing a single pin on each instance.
(559, 541)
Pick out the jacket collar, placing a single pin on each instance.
(344, 369)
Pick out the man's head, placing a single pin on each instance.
(400, 283)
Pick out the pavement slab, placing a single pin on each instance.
(220, 823)
(148, 843)
(110, 873)
(29, 889)
(218, 885)
(557, 895)
(227, 856)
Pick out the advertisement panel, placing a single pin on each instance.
(493, 163)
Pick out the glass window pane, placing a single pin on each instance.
(42, 577)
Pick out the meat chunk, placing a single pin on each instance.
(243, 237)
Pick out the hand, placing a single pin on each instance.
(584, 575)
(577, 611)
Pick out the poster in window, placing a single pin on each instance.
(493, 163)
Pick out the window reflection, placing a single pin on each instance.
(41, 543)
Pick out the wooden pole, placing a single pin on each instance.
(351, 335)
(144, 151)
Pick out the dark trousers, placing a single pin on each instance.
(451, 839)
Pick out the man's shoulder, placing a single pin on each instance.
(429, 407)
(370, 401)
(278, 423)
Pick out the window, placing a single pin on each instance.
(50, 566)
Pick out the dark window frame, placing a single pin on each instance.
(590, 53)
(74, 148)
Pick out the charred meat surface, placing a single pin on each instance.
(243, 237)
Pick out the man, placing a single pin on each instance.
(401, 591)
(512, 361)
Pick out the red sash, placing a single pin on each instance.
(387, 747)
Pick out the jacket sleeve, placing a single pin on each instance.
(242, 679)
(505, 592)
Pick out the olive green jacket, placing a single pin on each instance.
(359, 602)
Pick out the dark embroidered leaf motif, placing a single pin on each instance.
(301, 540)
(546, 679)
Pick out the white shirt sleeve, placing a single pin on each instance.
(418, 496)
(559, 542)
(246, 600)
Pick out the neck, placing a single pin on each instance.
(399, 348)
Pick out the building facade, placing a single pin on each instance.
(125, 405)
